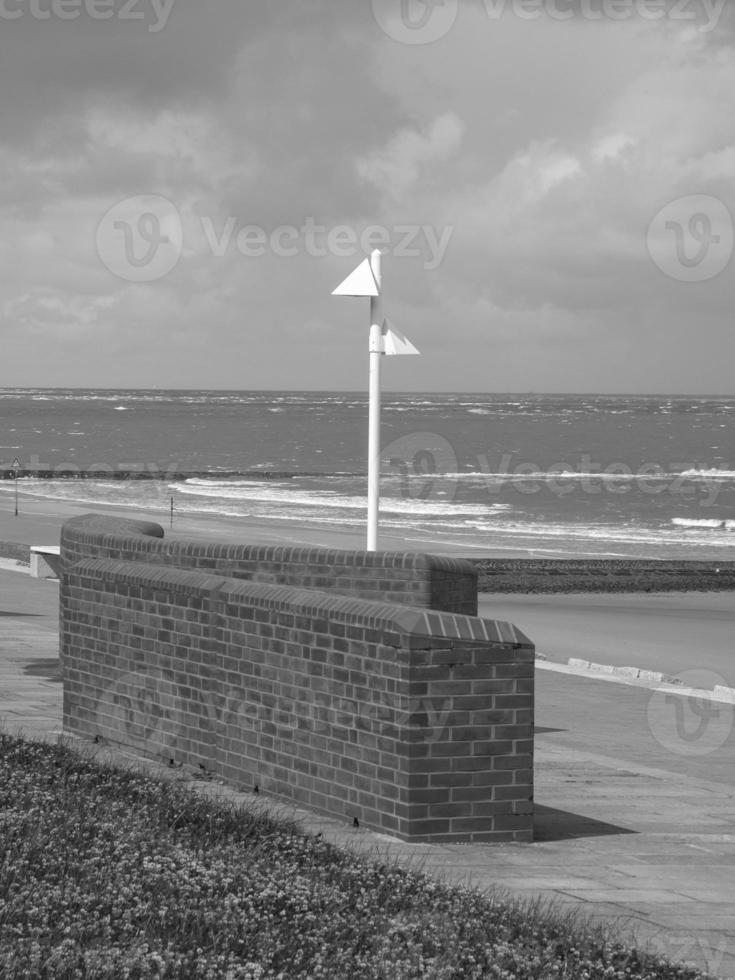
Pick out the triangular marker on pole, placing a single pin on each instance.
(367, 280)
(394, 342)
(360, 282)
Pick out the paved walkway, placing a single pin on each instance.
(635, 794)
(657, 631)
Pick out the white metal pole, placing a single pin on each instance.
(376, 345)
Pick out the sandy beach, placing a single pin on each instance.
(39, 522)
(671, 632)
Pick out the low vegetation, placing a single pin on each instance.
(15, 552)
(107, 872)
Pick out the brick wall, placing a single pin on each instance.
(414, 579)
(417, 722)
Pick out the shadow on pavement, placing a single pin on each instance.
(17, 615)
(48, 669)
(550, 824)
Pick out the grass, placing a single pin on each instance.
(107, 872)
(15, 551)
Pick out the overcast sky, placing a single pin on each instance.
(185, 181)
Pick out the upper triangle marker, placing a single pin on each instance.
(360, 282)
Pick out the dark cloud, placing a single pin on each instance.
(546, 148)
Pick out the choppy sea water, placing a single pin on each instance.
(647, 476)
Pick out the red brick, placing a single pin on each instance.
(298, 694)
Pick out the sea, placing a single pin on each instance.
(534, 474)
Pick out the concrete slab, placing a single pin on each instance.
(45, 561)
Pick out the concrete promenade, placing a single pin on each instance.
(635, 794)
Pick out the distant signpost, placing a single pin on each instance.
(16, 466)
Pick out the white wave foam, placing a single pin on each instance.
(550, 475)
(211, 484)
(287, 494)
(484, 524)
(553, 475)
(712, 522)
(710, 474)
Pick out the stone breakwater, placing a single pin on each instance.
(533, 575)
(564, 575)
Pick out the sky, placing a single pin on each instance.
(551, 184)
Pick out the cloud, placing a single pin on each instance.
(543, 150)
(565, 221)
(410, 155)
(613, 146)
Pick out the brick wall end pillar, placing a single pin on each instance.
(469, 743)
